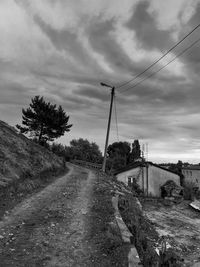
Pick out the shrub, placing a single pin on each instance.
(190, 190)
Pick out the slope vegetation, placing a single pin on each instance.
(21, 158)
(25, 167)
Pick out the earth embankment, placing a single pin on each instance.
(24, 167)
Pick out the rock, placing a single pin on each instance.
(45, 243)
(84, 211)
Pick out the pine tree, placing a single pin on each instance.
(44, 121)
(136, 152)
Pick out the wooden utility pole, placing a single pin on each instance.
(108, 127)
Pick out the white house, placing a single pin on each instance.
(149, 176)
(192, 174)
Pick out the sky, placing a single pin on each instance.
(63, 49)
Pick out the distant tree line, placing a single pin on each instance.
(176, 167)
(121, 154)
(80, 149)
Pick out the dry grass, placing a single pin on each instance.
(20, 158)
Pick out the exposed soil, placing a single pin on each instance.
(66, 224)
(180, 225)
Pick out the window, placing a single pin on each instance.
(129, 180)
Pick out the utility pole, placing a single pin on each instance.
(108, 127)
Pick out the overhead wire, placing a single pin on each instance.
(154, 73)
(154, 63)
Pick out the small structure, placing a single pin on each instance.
(148, 176)
(192, 174)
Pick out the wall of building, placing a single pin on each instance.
(150, 178)
(192, 176)
(158, 177)
(137, 173)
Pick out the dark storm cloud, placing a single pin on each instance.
(155, 94)
(157, 114)
(101, 38)
(65, 40)
(194, 20)
(148, 129)
(77, 105)
(53, 78)
(15, 93)
(74, 48)
(92, 92)
(145, 27)
(192, 57)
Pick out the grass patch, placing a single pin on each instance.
(104, 231)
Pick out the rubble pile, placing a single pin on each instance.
(172, 192)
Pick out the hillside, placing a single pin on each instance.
(20, 158)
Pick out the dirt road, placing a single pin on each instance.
(50, 228)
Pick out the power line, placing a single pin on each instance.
(152, 74)
(154, 63)
(116, 121)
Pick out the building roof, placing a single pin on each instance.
(130, 167)
(142, 164)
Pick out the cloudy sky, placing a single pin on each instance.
(63, 49)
